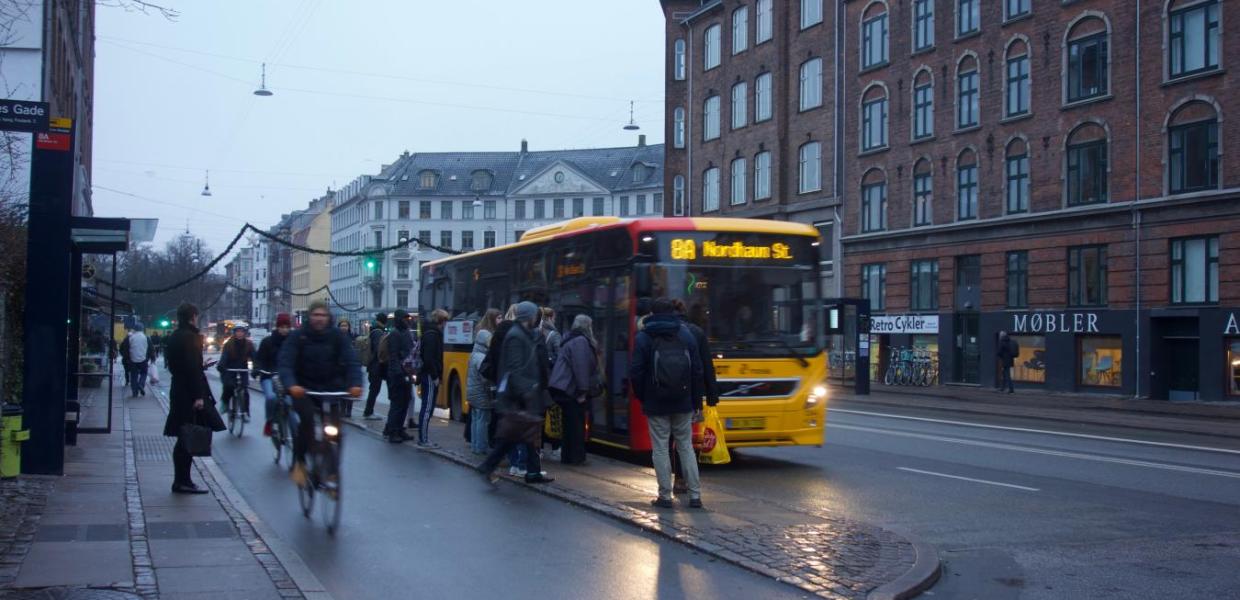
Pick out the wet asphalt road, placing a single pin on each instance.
(416, 526)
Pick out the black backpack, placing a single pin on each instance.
(671, 369)
(490, 363)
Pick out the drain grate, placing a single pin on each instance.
(184, 530)
(153, 448)
(81, 533)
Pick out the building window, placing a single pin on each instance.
(874, 205)
(518, 234)
(599, 208)
(710, 190)
(424, 209)
(1087, 276)
(740, 109)
(378, 239)
(1101, 361)
(467, 240)
(968, 16)
(740, 29)
(1017, 177)
(874, 285)
(378, 211)
(811, 13)
(1087, 67)
(488, 209)
(1015, 8)
(1194, 39)
(624, 206)
(765, 22)
(1017, 80)
(1017, 279)
(712, 38)
(710, 118)
(402, 269)
(924, 285)
(402, 209)
(923, 194)
(678, 196)
(1233, 368)
(679, 64)
(402, 298)
(557, 208)
(874, 38)
(402, 236)
(923, 106)
(923, 24)
(579, 207)
(424, 237)
(488, 239)
(811, 84)
(738, 181)
(810, 167)
(874, 120)
(467, 211)
(641, 204)
(540, 208)
(519, 210)
(1030, 364)
(445, 239)
(656, 204)
(966, 186)
(1087, 166)
(762, 176)
(1192, 155)
(1194, 270)
(481, 181)
(763, 105)
(967, 93)
(678, 127)
(427, 180)
(445, 210)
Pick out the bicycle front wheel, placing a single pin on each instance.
(329, 486)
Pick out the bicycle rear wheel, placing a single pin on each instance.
(277, 439)
(236, 425)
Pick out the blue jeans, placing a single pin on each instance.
(479, 426)
(518, 456)
(429, 391)
(269, 392)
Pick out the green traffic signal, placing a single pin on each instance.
(370, 264)
(165, 323)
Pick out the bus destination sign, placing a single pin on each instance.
(691, 250)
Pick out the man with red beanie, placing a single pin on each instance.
(265, 362)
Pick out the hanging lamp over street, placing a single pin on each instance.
(206, 185)
(632, 126)
(262, 88)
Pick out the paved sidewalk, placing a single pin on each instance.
(1202, 418)
(821, 553)
(111, 528)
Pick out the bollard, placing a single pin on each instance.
(73, 411)
(11, 437)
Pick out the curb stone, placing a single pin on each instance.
(921, 576)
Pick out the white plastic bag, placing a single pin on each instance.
(153, 373)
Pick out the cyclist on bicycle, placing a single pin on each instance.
(265, 362)
(236, 353)
(316, 358)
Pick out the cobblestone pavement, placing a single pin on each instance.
(820, 553)
(22, 501)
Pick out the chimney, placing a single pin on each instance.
(525, 146)
(641, 141)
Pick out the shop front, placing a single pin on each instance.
(905, 349)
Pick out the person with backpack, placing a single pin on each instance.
(709, 381)
(522, 397)
(1008, 351)
(478, 388)
(550, 336)
(428, 364)
(666, 374)
(398, 349)
(376, 370)
(574, 380)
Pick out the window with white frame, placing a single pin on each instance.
(678, 127)
(811, 13)
(762, 175)
(811, 84)
(763, 102)
(712, 38)
(766, 21)
(678, 66)
(738, 181)
(678, 195)
(740, 29)
(740, 105)
(810, 167)
(710, 189)
(710, 118)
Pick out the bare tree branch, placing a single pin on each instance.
(141, 6)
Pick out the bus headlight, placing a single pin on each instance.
(331, 430)
(816, 395)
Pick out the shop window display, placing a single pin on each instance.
(1233, 367)
(1030, 364)
(1101, 361)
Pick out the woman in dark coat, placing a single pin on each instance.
(573, 380)
(188, 395)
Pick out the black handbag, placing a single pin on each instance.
(195, 439)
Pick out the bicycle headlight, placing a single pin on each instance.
(816, 395)
(331, 430)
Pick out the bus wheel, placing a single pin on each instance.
(455, 411)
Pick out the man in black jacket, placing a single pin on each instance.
(430, 373)
(400, 385)
(266, 361)
(188, 394)
(235, 357)
(376, 371)
(320, 358)
(709, 383)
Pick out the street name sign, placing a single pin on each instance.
(22, 115)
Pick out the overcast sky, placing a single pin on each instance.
(355, 83)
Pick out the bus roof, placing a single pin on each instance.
(581, 225)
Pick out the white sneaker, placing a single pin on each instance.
(515, 472)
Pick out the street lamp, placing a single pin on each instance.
(632, 126)
(262, 89)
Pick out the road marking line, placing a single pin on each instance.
(962, 478)
(1060, 453)
(1044, 431)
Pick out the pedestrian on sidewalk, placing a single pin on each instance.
(574, 380)
(666, 374)
(346, 328)
(551, 341)
(399, 347)
(267, 361)
(139, 351)
(696, 325)
(430, 372)
(1008, 351)
(124, 353)
(521, 396)
(376, 370)
(480, 390)
(490, 370)
(236, 353)
(188, 394)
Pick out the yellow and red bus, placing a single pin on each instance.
(752, 284)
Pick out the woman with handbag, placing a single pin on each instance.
(574, 380)
(191, 413)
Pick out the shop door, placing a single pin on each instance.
(968, 354)
(1182, 355)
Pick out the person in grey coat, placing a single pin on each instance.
(478, 391)
(573, 381)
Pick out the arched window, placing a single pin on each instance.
(923, 104)
(873, 201)
(874, 118)
(811, 83)
(1086, 165)
(923, 193)
(810, 170)
(762, 175)
(740, 105)
(710, 189)
(710, 118)
(678, 195)
(1192, 148)
(874, 34)
(740, 29)
(1193, 34)
(968, 92)
(712, 41)
(1088, 59)
(966, 185)
(481, 181)
(1016, 161)
(679, 64)
(428, 179)
(678, 127)
(739, 177)
(1017, 90)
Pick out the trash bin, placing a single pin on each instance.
(73, 412)
(11, 437)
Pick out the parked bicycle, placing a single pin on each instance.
(323, 459)
(911, 366)
(239, 407)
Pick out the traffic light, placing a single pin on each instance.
(164, 323)
(372, 263)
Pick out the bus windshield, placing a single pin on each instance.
(747, 310)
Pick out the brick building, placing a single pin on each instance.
(1051, 169)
